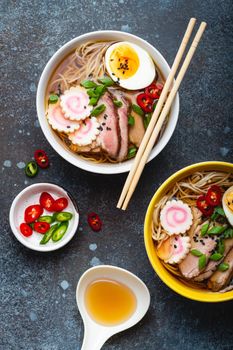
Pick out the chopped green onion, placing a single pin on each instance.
(223, 267)
(88, 84)
(131, 120)
(216, 256)
(217, 211)
(216, 230)
(53, 98)
(138, 110)
(196, 252)
(93, 101)
(107, 81)
(228, 233)
(117, 103)
(100, 90)
(98, 110)
(131, 152)
(91, 93)
(221, 246)
(202, 262)
(147, 120)
(204, 229)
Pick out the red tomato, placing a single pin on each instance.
(94, 221)
(41, 227)
(60, 204)
(47, 201)
(204, 206)
(41, 158)
(32, 213)
(25, 229)
(214, 195)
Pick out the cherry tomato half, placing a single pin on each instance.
(204, 206)
(94, 222)
(41, 158)
(25, 229)
(145, 102)
(47, 201)
(214, 195)
(32, 213)
(60, 204)
(154, 90)
(41, 227)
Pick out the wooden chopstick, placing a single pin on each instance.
(164, 113)
(158, 109)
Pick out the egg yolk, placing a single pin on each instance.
(229, 200)
(124, 62)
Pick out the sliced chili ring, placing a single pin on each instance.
(25, 229)
(214, 195)
(31, 169)
(41, 227)
(145, 102)
(152, 91)
(41, 158)
(94, 221)
(204, 206)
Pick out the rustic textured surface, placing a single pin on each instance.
(38, 308)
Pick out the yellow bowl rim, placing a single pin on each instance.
(160, 270)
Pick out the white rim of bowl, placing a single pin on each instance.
(65, 153)
(42, 249)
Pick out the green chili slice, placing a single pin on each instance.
(60, 231)
(63, 216)
(98, 110)
(31, 169)
(223, 267)
(48, 235)
(46, 218)
(131, 120)
(53, 98)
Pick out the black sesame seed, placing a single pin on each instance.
(175, 246)
(108, 128)
(103, 124)
(85, 107)
(113, 73)
(105, 116)
(68, 127)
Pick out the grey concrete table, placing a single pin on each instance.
(38, 308)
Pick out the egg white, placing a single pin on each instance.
(145, 74)
(227, 211)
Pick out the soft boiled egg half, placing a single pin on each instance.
(227, 203)
(129, 65)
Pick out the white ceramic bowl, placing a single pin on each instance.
(30, 195)
(55, 141)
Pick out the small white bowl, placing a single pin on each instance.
(30, 195)
(55, 141)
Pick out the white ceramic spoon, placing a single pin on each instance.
(95, 334)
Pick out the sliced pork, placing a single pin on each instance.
(189, 266)
(220, 279)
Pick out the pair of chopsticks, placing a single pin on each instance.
(162, 108)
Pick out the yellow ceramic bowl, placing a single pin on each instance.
(164, 274)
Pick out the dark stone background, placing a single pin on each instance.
(36, 312)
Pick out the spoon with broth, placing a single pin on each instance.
(110, 300)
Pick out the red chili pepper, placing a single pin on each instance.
(25, 229)
(145, 102)
(94, 221)
(32, 213)
(59, 204)
(41, 227)
(204, 206)
(214, 195)
(41, 158)
(47, 201)
(154, 90)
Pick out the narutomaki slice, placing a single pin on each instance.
(87, 132)
(176, 217)
(174, 249)
(75, 104)
(57, 120)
